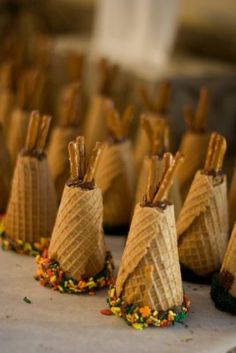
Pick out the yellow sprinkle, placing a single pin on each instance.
(116, 311)
(138, 326)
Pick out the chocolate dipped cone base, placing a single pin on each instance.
(51, 275)
(140, 317)
(223, 300)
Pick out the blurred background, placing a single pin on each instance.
(190, 43)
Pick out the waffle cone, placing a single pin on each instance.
(32, 205)
(194, 147)
(232, 200)
(115, 177)
(17, 133)
(95, 127)
(202, 226)
(6, 106)
(174, 193)
(5, 175)
(57, 156)
(77, 240)
(149, 273)
(229, 263)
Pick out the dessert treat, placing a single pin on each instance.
(202, 226)
(29, 96)
(232, 200)
(223, 286)
(194, 142)
(5, 175)
(95, 122)
(32, 204)
(115, 174)
(148, 289)
(155, 109)
(77, 260)
(157, 131)
(66, 130)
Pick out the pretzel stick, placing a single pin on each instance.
(73, 100)
(114, 124)
(219, 154)
(126, 119)
(166, 138)
(216, 149)
(163, 96)
(188, 117)
(168, 178)
(93, 162)
(33, 130)
(73, 161)
(210, 151)
(201, 111)
(152, 178)
(157, 138)
(43, 132)
(145, 98)
(167, 162)
(80, 143)
(145, 124)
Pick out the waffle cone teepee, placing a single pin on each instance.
(66, 131)
(77, 241)
(149, 276)
(115, 172)
(232, 200)
(155, 109)
(95, 122)
(6, 173)
(223, 287)
(194, 147)
(194, 142)
(157, 133)
(77, 250)
(202, 226)
(32, 205)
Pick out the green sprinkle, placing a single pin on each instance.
(27, 300)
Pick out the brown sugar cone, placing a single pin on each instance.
(77, 240)
(32, 205)
(115, 177)
(142, 146)
(5, 175)
(57, 155)
(202, 226)
(232, 200)
(17, 132)
(151, 252)
(95, 123)
(174, 193)
(229, 263)
(7, 100)
(194, 147)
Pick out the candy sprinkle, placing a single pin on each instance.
(27, 300)
(23, 247)
(51, 275)
(141, 317)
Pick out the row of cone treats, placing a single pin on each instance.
(77, 259)
(148, 277)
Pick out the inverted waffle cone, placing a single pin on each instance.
(6, 106)
(115, 177)
(149, 273)
(5, 175)
(174, 193)
(32, 205)
(57, 155)
(77, 240)
(202, 226)
(229, 263)
(194, 147)
(17, 132)
(232, 200)
(95, 127)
